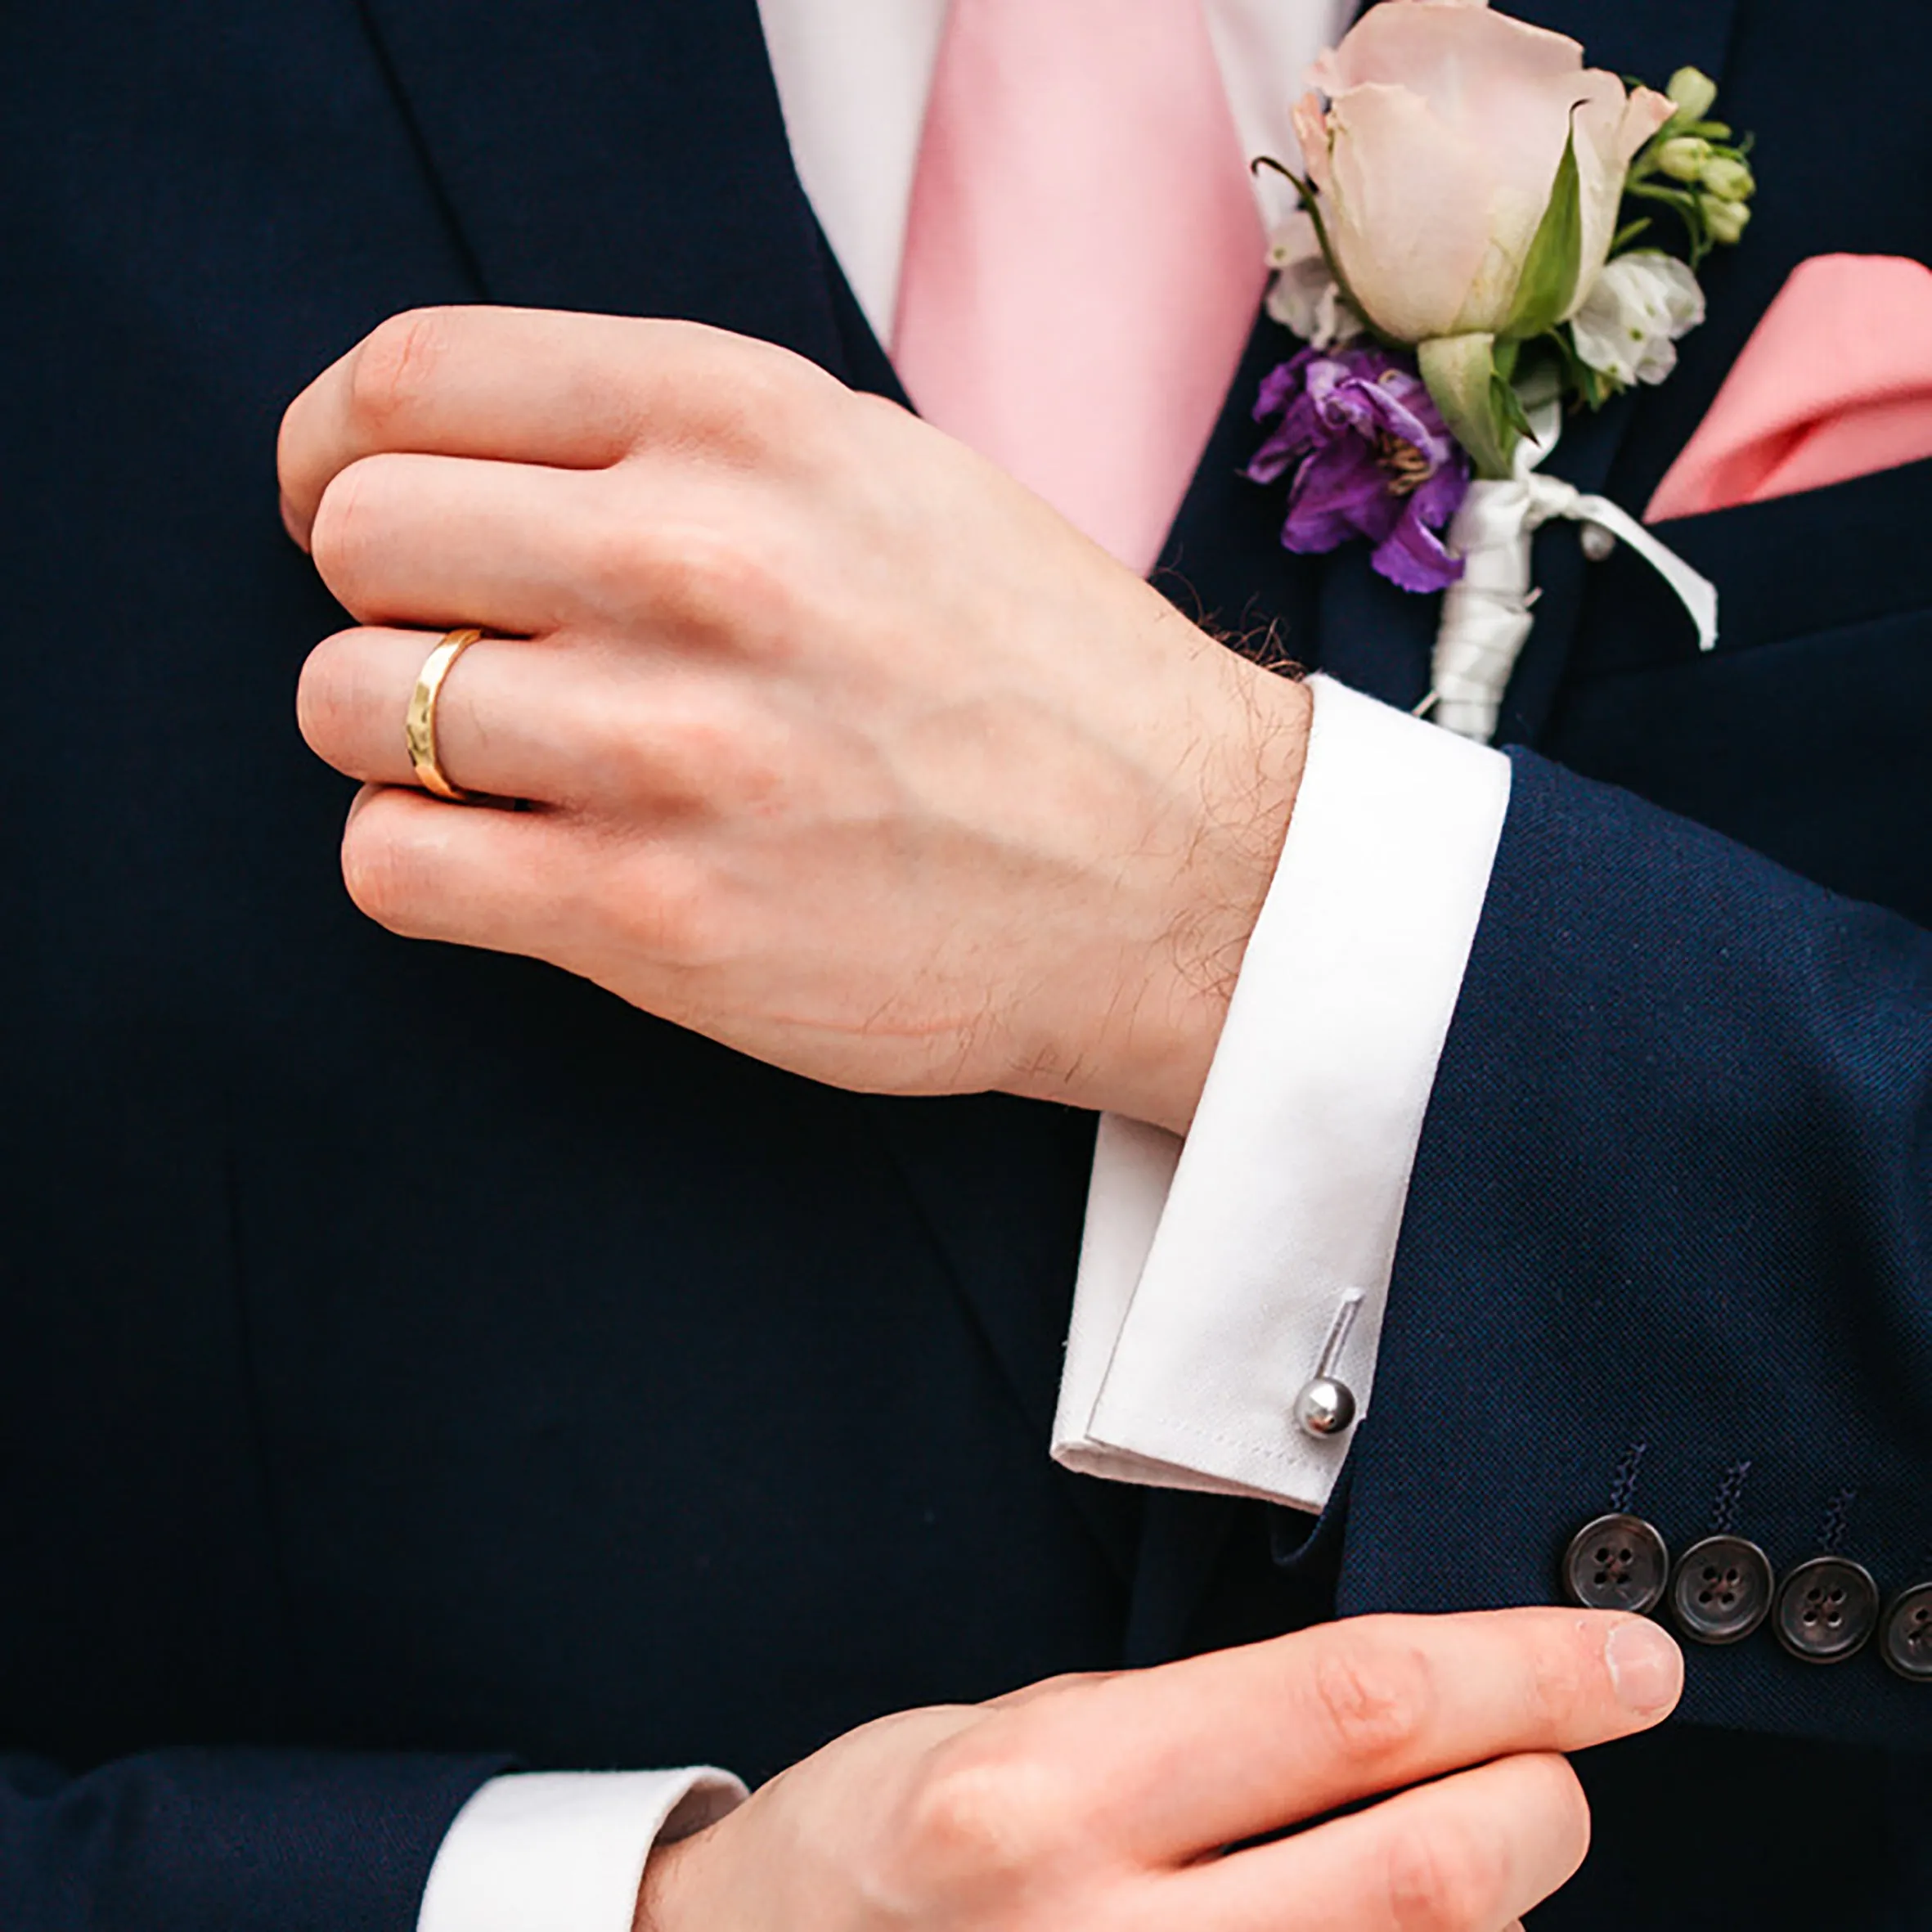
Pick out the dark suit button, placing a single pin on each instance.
(1907, 1641)
(1618, 1563)
(1721, 1590)
(1826, 1609)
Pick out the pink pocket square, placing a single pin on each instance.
(1834, 382)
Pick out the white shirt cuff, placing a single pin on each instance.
(1212, 1274)
(564, 1851)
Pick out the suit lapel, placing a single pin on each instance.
(607, 155)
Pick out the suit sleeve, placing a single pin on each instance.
(244, 1841)
(1667, 1248)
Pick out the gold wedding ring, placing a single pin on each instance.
(419, 723)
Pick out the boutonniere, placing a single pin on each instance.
(1480, 250)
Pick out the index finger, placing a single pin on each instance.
(522, 385)
(1244, 1743)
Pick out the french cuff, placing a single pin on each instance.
(1212, 1272)
(564, 1851)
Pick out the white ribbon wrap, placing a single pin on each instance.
(1487, 617)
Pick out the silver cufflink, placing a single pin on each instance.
(1327, 1405)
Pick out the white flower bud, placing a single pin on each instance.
(1685, 157)
(1726, 220)
(1642, 305)
(1728, 180)
(1693, 93)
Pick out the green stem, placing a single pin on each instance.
(1311, 206)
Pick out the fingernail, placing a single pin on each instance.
(1645, 1667)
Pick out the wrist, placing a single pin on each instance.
(662, 1895)
(667, 1900)
(1160, 1035)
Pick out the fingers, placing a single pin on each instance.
(1230, 1747)
(439, 541)
(555, 721)
(1469, 1853)
(530, 386)
(469, 876)
(507, 723)
(539, 883)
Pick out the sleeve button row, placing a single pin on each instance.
(1722, 1588)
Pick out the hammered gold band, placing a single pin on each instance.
(419, 723)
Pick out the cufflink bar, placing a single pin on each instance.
(1326, 1406)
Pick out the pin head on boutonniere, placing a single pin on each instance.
(1478, 252)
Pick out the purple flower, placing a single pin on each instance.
(1371, 457)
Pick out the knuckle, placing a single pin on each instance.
(774, 399)
(394, 365)
(1067, 1682)
(877, 412)
(729, 766)
(1446, 1877)
(1376, 1696)
(667, 912)
(705, 579)
(981, 1816)
(619, 558)
(1052, 1690)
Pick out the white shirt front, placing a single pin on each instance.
(1210, 1273)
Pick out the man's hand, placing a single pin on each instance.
(842, 747)
(1107, 1803)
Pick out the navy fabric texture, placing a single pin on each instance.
(630, 1403)
(1771, 1111)
(268, 1841)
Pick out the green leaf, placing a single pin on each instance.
(1629, 233)
(1555, 260)
(1506, 407)
(1461, 373)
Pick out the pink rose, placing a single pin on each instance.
(1437, 155)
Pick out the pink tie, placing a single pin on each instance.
(1084, 258)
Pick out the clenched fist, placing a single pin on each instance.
(836, 744)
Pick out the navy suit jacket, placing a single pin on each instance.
(635, 1404)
